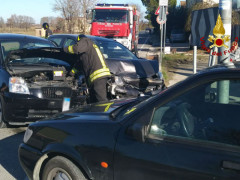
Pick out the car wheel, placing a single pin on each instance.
(2, 123)
(60, 168)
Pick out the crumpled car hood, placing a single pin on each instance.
(140, 68)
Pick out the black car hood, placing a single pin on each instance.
(98, 111)
(141, 68)
(48, 52)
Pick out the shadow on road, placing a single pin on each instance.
(9, 155)
(184, 74)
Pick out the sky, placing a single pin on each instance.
(40, 8)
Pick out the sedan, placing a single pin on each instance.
(190, 130)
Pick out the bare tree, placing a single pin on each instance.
(71, 10)
(85, 5)
(2, 24)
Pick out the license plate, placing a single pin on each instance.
(66, 104)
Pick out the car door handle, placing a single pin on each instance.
(231, 165)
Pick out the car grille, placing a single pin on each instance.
(108, 32)
(56, 92)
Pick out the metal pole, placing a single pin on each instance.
(165, 26)
(210, 59)
(161, 38)
(225, 10)
(194, 59)
(214, 57)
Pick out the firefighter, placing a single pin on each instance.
(47, 29)
(94, 67)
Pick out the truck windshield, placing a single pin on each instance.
(110, 15)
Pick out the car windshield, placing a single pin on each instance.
(109, 15)
(115, 50)
(9, 45)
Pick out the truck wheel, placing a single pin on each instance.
(2, 123)
(61, 168)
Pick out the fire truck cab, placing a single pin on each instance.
(117, 21)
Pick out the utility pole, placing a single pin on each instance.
(225, 10)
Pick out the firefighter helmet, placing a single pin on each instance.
(45, 26)
(80, 36)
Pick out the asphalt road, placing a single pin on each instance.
(10, 168)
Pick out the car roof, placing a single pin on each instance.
(96, 38)
(8, 36)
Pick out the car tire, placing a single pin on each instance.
(61, 167)
(3, 124)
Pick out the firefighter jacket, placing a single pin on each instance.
(91, 59)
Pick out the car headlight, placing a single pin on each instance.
(119, 81)
(27, 135)
(18, 85)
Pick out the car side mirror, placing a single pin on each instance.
(137, 131)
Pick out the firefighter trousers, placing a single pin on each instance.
(98, 90)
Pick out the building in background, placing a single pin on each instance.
(191, 3)
(183, 3)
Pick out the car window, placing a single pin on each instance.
(206, 113)
(69, 42)
(115, 50)
(56, 40)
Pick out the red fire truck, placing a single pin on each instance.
(117, 21)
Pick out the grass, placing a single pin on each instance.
(173, 61)
(30, 31)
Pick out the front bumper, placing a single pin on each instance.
(22, 109)
(28, 158)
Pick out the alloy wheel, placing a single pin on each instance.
(58, 174)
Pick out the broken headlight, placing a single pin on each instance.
(18, 85)
(119, 81)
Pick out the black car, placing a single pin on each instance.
(35, 81)
(16, 101)
(189, 131)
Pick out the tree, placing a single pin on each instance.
(2, 24)
(84, 6)
(71, 10)
(20, 21)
